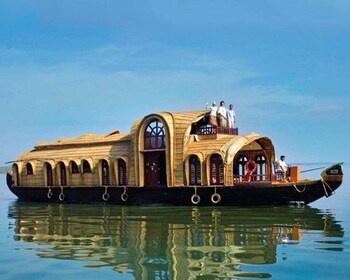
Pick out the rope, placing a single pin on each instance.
(298, 189)
(325, 184)
(49, 193)
(308, 170)
(124, 195)
(61, 196)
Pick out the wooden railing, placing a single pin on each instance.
(208, 130)
(257, 178)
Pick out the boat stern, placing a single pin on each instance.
(9, 180)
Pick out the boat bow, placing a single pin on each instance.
(333, 173)
(331, 178)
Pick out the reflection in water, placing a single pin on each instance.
(168, 243)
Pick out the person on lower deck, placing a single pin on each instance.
(282, 167)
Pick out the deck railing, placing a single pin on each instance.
(209, 130)
(258, 178)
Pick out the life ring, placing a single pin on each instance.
(215, 198)
(124, 196)
(195, 198)
(105, 196)
(250, 166)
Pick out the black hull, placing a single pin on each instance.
(248, 194)
(244, 195)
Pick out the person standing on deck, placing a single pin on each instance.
(231, 117)
(222, 114)
(213, 112)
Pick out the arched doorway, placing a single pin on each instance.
(216, 170)
(49, 175)
(86, 166)
(154, 155)
(122, 173)
(29, 169)
(195, 170)
(105, 172)
(63, 174)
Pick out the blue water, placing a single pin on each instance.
(58, 241)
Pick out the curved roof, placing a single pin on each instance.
(178, 119)
(231, 148)
(229, 145)
(88, 138)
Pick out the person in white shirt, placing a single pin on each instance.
(222, 114)
(231, 116)
(213, 112)
(282, 167)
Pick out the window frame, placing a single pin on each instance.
(154, 135)
(195, 171)
(29, 169)
(217, 170)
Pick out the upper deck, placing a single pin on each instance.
(202, 127)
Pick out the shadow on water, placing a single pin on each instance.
(168, 243)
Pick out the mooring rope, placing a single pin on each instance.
(298, 189)
(124, 196)
(325, 184)
(61, 196)
(49, 193)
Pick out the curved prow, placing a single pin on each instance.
(9, 180)
(333, 173)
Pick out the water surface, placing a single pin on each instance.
(61, 241)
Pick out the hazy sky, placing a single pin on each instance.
(69, 67)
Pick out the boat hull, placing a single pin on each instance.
(241, 194)
(238, 195)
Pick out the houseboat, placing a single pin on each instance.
(167, 158)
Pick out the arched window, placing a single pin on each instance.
(216, 170)
(86, 166)
(122, 173)
(74, 167)
(63, 174)
(29, 168)
(154, 136)
(105, 172)
(195, 170)
(240, 167)
(261, 167)
(49, 175)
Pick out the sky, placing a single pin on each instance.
(69, 67)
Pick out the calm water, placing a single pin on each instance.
(53, 241)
